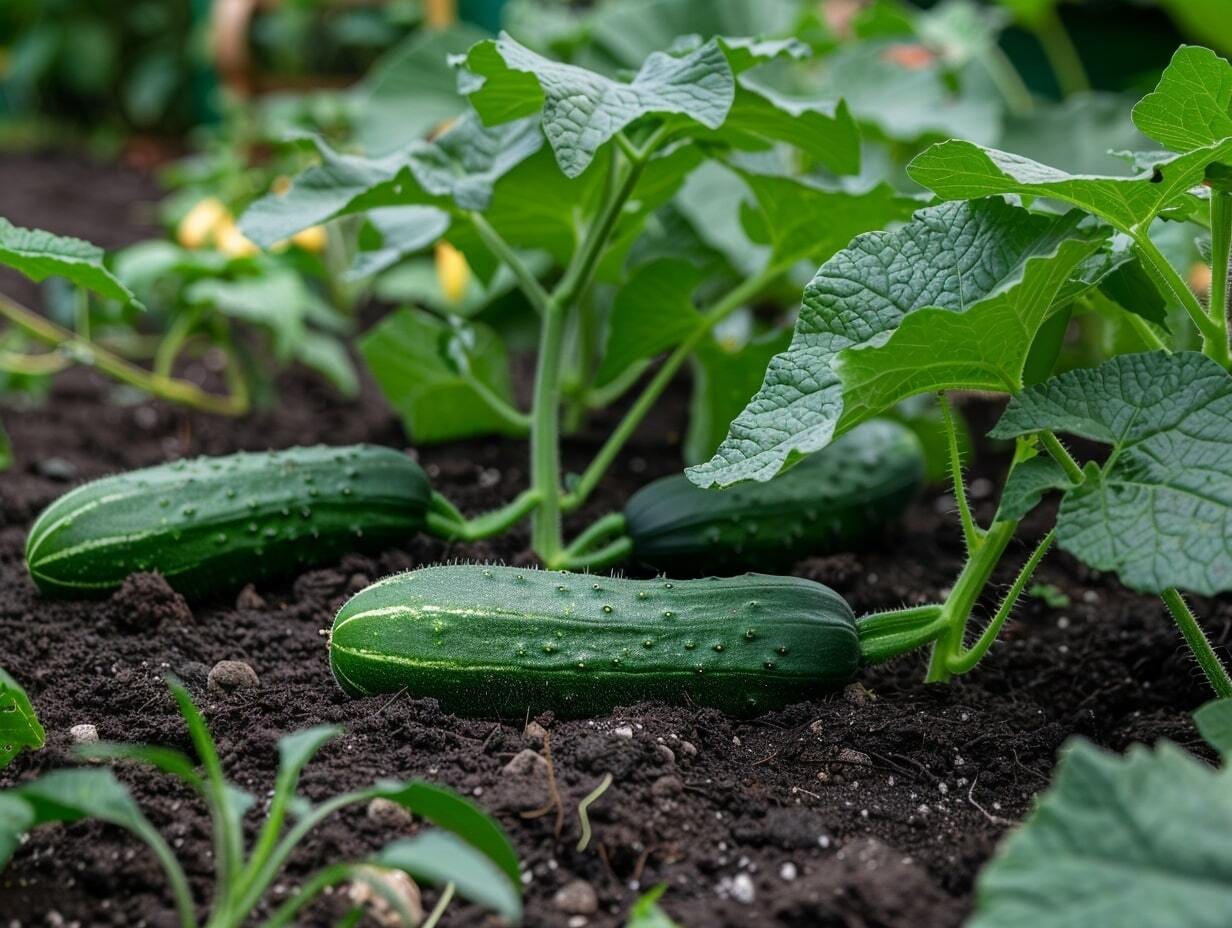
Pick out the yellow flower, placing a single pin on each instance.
(452, 272)
(231, 241)
(311, 239)
(200, 224)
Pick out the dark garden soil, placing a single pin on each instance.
(873, 807)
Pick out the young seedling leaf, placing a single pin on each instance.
(583, 110)
(1159, 512)
(75, 793)
(957, 170)
(964, 285)
(38, 255)
(1143, 841)
(16, 818)
(438, 857)
(415, 359)
(1027, 484)
(646, 912)
(450, 811)
(652, 312)
(298, 748)
(19, 726)
(1191, 106)
(168, 760)
(1214, 721)
(458, 169)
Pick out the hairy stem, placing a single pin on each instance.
(1221, 255)
(1170, 283)
(973, 534)
(885, 635)
(1199, 644)
(1053, 444)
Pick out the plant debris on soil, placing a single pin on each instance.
(873, 807)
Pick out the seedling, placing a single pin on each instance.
(981, 287)
(467, 854)
(19, 726)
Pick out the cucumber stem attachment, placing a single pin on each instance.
(446, 521)
(886, 635)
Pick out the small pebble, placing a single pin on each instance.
(576, 898)
(229, 676)
(738, 887)
(524, 764)
(83, 734)
(535, 731)
(858, 758)
(788, 872)
(687, 748)
(249, 598)
(667, 786)
(389, 814)
(666, 755)
(623, 731)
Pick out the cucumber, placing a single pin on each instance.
(829, 502)
(504, 640)
(213, 523)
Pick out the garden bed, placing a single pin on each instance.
(874, 807)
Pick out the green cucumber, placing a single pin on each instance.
(829, 502)
(505, 640)
(220, 522)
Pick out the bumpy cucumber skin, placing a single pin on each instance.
(498, 641)
(829, 502)
(210, 524)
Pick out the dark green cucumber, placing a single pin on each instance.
(504, 640)
(829, 502)
(213, 523)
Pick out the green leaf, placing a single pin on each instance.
(965, 286)
(1210, 21)
(583, 110)
(277, 301)
(72, 794)
(1159, 512)
(1027, 484)
(16, 818)
(711, 200)
(19, 726)
(6, 459)
(298, 748)
(450, 811)
(415, 358)
(962, 170)
(1191, 107)
(39, 255)
(412, 89)
(168, 760)
(646, 912)
(1214, 721)
(652, 312)
(1143, 841)
(328, 356)
(1076, 134)
(438, 857)
(458, 169)
(404, 230)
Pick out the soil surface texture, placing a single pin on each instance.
(872, 808)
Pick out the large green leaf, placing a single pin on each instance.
(40, 255)
(951, 301)
(19, 726)
(1159, 511)
(1143, 841)
(416, 359)
(1191, 107)
(456, 170)
(652, 312)
(438, 857)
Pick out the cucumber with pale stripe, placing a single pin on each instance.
(218, 522)
(831, 501)
(505, 640)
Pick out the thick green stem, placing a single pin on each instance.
(445, 521)
(885, 635)
(1221, 255)
(173, 342)
(962, 599)
(516, 421)
(1170, 283)
(1061, 53)
(973, 534)
(167, 388)
(1008, 81)
(527, 282)
(1199, 644)
(1053, 444)
(734, 299)
(545, 437)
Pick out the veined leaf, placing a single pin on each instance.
(1143, 841)
(1159, 512)
(404, 230)
(1191, 107)
(40, 255)
(1214, 721)
(458, 169)
(652, 312)
(963, 170)
(414, 357)
(439, 857)
(1027, 484)
(19, 726)
(950, 301)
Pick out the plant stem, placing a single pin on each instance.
(545, 436)
(734, 299)
(439, 909)
(1061, 456)
(180, 890)
(167, 388)
(514, 419)
(1169, 283)
(172, 343)
(973, 534)
(1221, 255)
(961, 601)
(1199, 644)
(81, 313)
(1061, 53)
(1008, 81)
(453, 526)
(885, 635)
(527, 282)
(967, 659)
(329, 876)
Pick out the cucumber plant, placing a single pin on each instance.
(978, 285)
(555, 159)
(467, 854)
